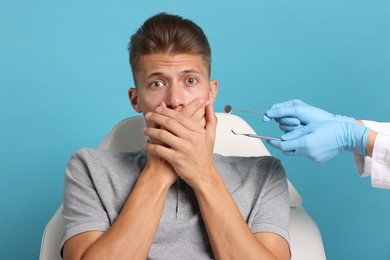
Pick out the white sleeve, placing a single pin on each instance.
(378, 167)
(379, 127)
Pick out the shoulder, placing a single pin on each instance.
(256, 168)
(88, 161)
(238, 162)
(90, 155)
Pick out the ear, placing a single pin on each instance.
(133, 96)
(213, 90)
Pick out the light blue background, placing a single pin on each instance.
(64, 76)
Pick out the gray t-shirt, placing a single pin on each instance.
(97, 184)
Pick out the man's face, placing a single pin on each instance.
(172, 81)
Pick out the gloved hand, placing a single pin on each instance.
(320, 141)
(295, 113)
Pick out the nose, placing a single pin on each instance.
(175, 97)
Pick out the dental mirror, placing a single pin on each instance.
(228, 109)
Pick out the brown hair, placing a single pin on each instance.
(166, 33)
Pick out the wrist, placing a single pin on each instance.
(210, 179)
(161, 172)
(370, 142)
(345, 118)
(358, 138)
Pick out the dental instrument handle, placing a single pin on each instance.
(249, 111)
(262, 137)
(256, 136)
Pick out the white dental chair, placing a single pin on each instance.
(305, 237)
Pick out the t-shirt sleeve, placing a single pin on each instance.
(83, 210)
(273, 206)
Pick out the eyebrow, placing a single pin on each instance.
(189, 71)
(154, 74)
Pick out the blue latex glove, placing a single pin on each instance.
(320, 141)
(295, 113)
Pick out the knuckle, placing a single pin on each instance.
(160, 134)
(157, 149)
(299, 109)
(186, 149)
(182, 116)
(187, 113)
(202, 122)
(192, 140)
(170, 122)
(178, 158)
(283, 147)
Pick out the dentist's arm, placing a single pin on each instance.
(321, 141)
(295, 113)
(316, 133)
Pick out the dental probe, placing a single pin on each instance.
(257, 136)
(228, 109)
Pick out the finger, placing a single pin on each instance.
(285, 109)
(199, 116)
(286, 104)
(274, 143)
(290, 153)
(278, 145)
(196, 114)
(266, 118)
(173, 121)
(287, 147)
(211, 121)
(299, 132)
(196, 111)
(161, 151)
(194, 107)
(282, 112)
(162, 137)
(289, 128)
(202, 122)
(292, 121)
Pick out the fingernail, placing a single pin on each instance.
(148, 115)
(159, 109)
(202, 101)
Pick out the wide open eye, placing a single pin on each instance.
(192, 81)
(157, 84)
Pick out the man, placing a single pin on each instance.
(175, 199)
